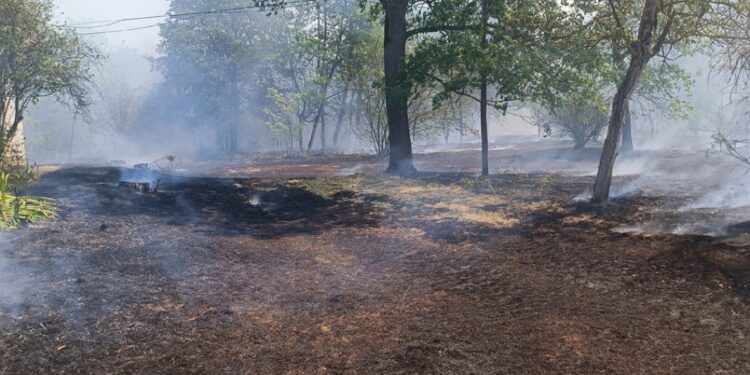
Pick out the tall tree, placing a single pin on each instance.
(661, 24)
(215, 65)
(397, 87)
(509, 51)
(39, 59)
(406, 19)
(423, 18)
(316, 62)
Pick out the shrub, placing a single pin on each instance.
(16, 209)
(582, 122)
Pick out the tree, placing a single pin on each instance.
(404, 20)
(662, 24)
(657, 90)
(509, 51)
(214, 65)
(398, 29)
(373, 126)
(294, 93)
(283, 117)
(39, 59)
(454, 117)
(582, 118)
(122, 84)
(120, 104)
(397, 87)
(336, 26)
(732, 33)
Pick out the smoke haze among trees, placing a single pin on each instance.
(309, 77)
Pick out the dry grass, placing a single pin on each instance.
(444, 274)
(469, 214)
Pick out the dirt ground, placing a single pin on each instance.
(342, 273)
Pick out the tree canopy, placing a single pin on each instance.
(39, 59)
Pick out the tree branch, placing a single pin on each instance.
(435, 29)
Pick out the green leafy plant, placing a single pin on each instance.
(15, 209)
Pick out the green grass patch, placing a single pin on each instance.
(17, 211)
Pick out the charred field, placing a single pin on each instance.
(262, 271)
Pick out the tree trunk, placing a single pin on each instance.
(323, 130)
(72, 141)
(619, 108)
(627, 130)
(299, 140)
(340, 118)
(12, 140)
(231, 134)
(397, 88)
(484, 128)
(483, 97)
(314, 131)
(232, 138)
(643, 51)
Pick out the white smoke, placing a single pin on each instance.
(14, 278)
(141, 174)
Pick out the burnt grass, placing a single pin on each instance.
(443, 273)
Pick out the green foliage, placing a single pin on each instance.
(39, 59)
(283, 119)
(534, 51)
(373, 126)
(15, 209)
(214, 67)
(663, 88)
(581, 117)
(317, 64)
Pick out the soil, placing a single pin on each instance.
(442, 273)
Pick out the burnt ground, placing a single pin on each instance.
(443, 273)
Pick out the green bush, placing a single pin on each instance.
(16, 209)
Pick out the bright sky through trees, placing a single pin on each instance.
(146, 40)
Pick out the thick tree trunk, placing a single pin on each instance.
(643, 51)
(627, 130)
(397, 88)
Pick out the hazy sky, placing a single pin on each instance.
(76, 11)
